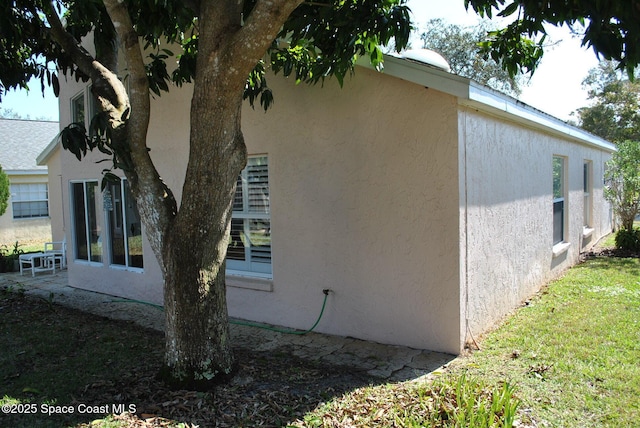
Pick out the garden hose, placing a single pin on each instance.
(246, 323)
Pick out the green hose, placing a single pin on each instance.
(245, 323)
(286, 331)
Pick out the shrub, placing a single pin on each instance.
(9, 256)
(622, 178)
(4, 191)
(628, 240)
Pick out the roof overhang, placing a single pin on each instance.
(42, 171)
(493, 102)
(483, 98)
(48, 151)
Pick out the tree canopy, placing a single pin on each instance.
(7, 113)
(611, 28)
(622, 178)
(316, 41)
(615, 110)
(460, 46)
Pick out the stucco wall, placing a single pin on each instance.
(428, 220)
(93, 276)
(57, 209)
(363, 189)
(24, 230)
(363, 184)
(507, 224)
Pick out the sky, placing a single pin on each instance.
(555, 88)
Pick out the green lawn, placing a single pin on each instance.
(573, 351)
(571, 354)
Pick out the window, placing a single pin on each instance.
(125, 230)
(77, 109)
(588, 190)
(249, 250)
(79, 113)
(87, 225)
(559, 197)
(30, 200)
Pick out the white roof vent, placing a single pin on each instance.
(428, 57)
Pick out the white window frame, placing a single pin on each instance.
(89, 107)
(253, 265)
(86, 231)
(28, 194)
(560, 197)
(74, 110)
(588, 195)
(125, 229)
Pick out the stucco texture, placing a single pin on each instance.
(97, 276)
(24, 230)
(427, 219)
(508, 221)
(362, 180)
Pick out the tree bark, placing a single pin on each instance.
(155, 201)
(198, 344)
(190, 243)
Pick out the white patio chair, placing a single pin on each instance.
(59, 251)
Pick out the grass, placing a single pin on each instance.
(568, 358)
(573, 351)
(26, 247)
(447, 401)
(50, 356)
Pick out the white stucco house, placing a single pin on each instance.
(27, 215)
(430, 205)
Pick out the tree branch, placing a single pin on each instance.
(139, 86)
(80, 56)
(261, 27)
(158, 208)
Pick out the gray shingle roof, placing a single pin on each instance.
(21, 141)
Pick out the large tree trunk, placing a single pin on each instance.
(198, 345)
(191, 243)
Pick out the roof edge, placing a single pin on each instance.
(486, 99)
(48, 151)
(422, 74)
(483, 98)
(42, 171)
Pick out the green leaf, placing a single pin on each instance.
(108, 178)
(75, 140)
(55, 84)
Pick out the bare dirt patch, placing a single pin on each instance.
(271, 388)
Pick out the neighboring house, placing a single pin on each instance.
(430, 205)
(27, 216)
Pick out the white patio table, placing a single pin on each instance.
(37, 262)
